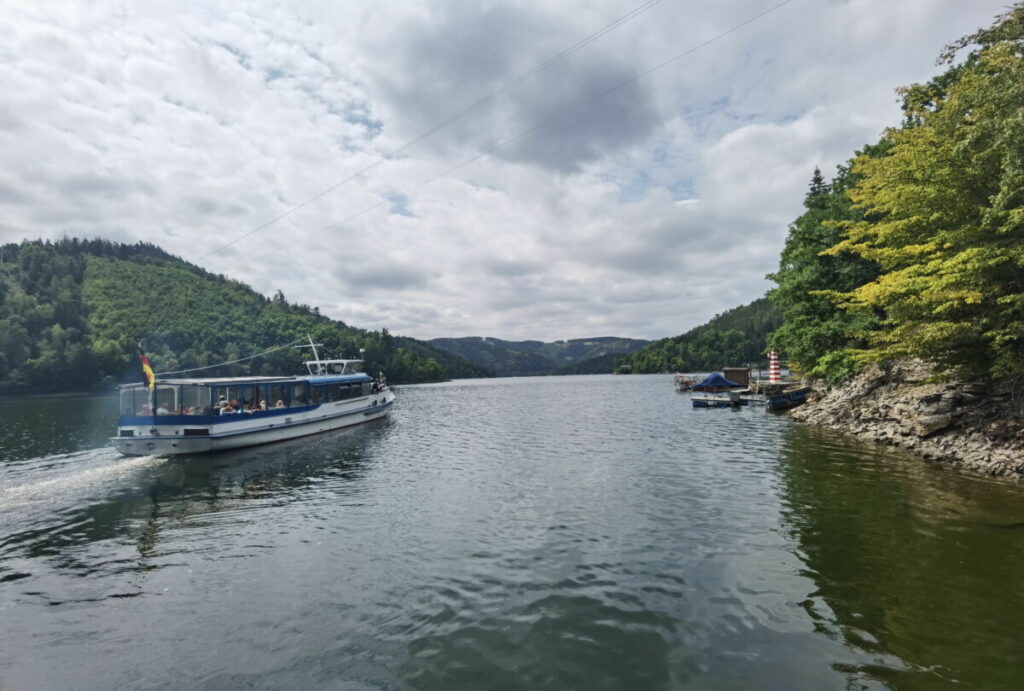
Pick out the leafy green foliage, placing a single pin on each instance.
(735, 337)
(72, 312)
(943, 216)
(815, 333)
(917, 249)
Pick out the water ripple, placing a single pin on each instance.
(553, 533)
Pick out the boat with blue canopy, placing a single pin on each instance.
(188, 416)
(715, 382)
(718, 392)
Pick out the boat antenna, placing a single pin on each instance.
(316, 356)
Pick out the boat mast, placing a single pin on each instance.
(320, 368)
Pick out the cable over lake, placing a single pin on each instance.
(591, 532)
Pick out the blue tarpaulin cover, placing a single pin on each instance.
(716, 381)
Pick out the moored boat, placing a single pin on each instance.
(730, 399)
(788, 399)
(186, 416)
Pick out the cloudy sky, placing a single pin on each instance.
(592, 197)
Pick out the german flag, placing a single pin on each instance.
(148, 378)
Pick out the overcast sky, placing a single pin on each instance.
(640, 211)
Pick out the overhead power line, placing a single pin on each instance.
(52, 297)
(230, 362)
(534, 128)
(444, 123)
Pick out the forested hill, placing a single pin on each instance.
(735, 337)
(529, 358)
(915, 249)
(72, 312)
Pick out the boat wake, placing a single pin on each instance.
(52, 478)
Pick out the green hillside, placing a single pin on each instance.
(735, 337)
(71, 313)
(602, 364)
(531, 358)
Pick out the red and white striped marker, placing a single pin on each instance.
(774, 373)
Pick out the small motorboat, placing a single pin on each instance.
(788, 399)
(729, 399)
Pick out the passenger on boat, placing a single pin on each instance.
(263, 406)
(146, 410)
(279, 404)
(162, 410)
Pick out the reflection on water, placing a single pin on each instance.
(581, 532)
(914, 563)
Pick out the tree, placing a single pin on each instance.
(817, 190)
(815, 332)
(943, 216)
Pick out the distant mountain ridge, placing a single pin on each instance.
(532, 358)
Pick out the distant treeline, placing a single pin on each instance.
(735, 337)
(531, 358)
(72, 312)
(915, 249)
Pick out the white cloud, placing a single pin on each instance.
(641, 213)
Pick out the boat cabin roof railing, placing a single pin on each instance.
(326, 378)
(338, 366)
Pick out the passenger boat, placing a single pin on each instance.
(200, 415)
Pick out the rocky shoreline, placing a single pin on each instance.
(968, 425)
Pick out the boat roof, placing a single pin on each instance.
(238, 381)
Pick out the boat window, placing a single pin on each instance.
(300, 393)
(350, 391)
(277, 397)
(259, 398)
(220, 397)
(338, 367)
(315, 395)
(133, 399)
(367, 388)
(247, 397)
(355, 367)
(195, 400)
(233, 396)
(166, 398)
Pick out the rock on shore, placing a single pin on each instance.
(970, 425)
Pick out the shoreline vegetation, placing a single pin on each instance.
(914, 253)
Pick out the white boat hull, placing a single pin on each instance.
(162, 440)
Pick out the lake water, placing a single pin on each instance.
(546, 533)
